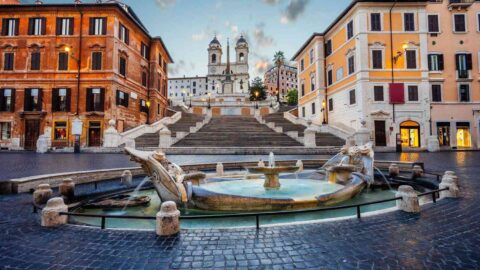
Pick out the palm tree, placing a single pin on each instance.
(279, 60)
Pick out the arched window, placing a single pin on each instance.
(410, 134)
(214, 58)
(241, 57)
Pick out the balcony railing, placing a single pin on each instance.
(460, 3)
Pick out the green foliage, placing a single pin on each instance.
(292, 96)
(279, 59)
(257, 87)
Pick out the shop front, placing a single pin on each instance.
(410, 134)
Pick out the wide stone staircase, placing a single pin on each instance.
(236, 131)
(322, 139)
(183, 125)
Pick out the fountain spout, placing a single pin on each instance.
(271, 160)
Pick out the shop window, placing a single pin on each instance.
(443, 133)
(60, 131)
(5, 130)
(410, 134)
(464, 138)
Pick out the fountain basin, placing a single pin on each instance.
(272, 174)
(120, 201)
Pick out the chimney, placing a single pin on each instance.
(9, 2)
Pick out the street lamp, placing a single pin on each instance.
(324, 112)
(183, 94)
(209, 95)
(148, 111)
(190, 96)
(256, 99)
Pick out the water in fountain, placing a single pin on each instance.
(334, 160)
(271, 160)
(135, 192)
(384, 178)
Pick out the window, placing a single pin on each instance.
(330, 104)
(36, 26)
(303, 112)
(328, 47)
(8, 61)
(5, 130)
(33, 100)
(459, 23)
(302, 65)
(350, 30)
(98, 26)
(378, 93)
(214, 58)
(375, 22)
(351, 65)
(411, 56)
(303, 89)
(10, 27)
(7, 100)
(96, 60)
(312, 82)
(62, 61)
(330, 77)
(160, 61)
(433, 24)
(409, 22)
(352, 97)
(464, 94)
(436, 93)
(144, 50)
(144, 79)
(313, 108)
(60, 131)
(241, 57)
(124, 34)
(435, 62)
(311, 56)
(412, 93)
(61, 100)
(478, 22)
(339, 74)
(95, 99)
(377, 61)
(143, 106)
(122, 99)
(463, 65)
(64, 26)
(123, 66)
(35, 61)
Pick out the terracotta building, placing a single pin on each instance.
(58, 62)
(288, 80)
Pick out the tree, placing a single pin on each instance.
(292, 97)
(279, 60)
(257, 90)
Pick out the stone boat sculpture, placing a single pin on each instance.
(348, 174)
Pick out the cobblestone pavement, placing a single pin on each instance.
(444, 236)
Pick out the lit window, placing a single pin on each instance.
(60, 131)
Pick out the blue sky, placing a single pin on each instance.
(187, 27)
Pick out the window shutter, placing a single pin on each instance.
(70, 29)
(104, 25)
(440, 62)
(68, 97)
(89, 103)
(40, 97)
(4, 27)
(127, 36)
(126, 100)
(457, 61)
(430, 67)
(17, 26)
(59, 26)
(27, 99)
(469, 61)
(44, 25)
(2, 100)
(91, 28)
(30, 26)
(13, 101)
(55, 99)
(117, 98)
(102, 99)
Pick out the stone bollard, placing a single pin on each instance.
(168, 219)
(309, 137)
(126, 178)
(299, 164)
(219, 169)
(409, 201)
(261, 164)
(51, 213)
(42, 194)
(165, 138)
(453, 176)
(449, 182)
(393, 170)
(417, 171)
(67, 188)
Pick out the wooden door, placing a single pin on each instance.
(32, 132)
(380, 134)
(95, 134)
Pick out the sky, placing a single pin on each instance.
(188, 26)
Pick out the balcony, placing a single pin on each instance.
(459, 4)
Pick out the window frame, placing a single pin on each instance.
(60, 67)
(94, 63)
(441, 92)
(440, 63)
(351, 66)
(54, 138)
(404, 21)
(330, 104)
(459, 85)
(56, 106)
(350, 30)
(10, 64)
(382, 53)
(374, 93)
(439, 25)
(38, 64)
(32, 26)
(380, 15)
(407, 59)
(9, 130)
(407, 89)
(122, 101)
(3, 100)
(465, 20)
(352, 94)
(93, 26)
(123, 33)
(122, 70)
(6, 28)
(60, 27)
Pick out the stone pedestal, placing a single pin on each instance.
(111, 138)
(309, 139)
(362, 136)
(126, 178)
(42, 194)
(168, 219)
(165, 138)
(261, 164)
(409, 201)
(220, 171)
(433, 145)
(417, 171)
(67, 188)
(51, 213)
(299, 164)
(272, 181)
(42, 144)
(450, 182)
(393, 170)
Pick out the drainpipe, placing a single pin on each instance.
(79, 62)
(148, 80)
(391, 51)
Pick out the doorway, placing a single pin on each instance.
(32, 132)
(94, 134)
(380, 133)
(464, 138)
(410, 134)
(443, 133)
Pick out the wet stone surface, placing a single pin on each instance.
(443, 236)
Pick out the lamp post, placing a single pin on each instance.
(256, 99)
(209, 95)
(190, 96)
(183, 94)
(324, 105)
(148, 111)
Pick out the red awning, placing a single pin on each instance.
(397, 93)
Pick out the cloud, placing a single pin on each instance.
(164, 4)
(199, 36)
(260, 37)
(181, 68)
(294, 9)
(271, 2)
